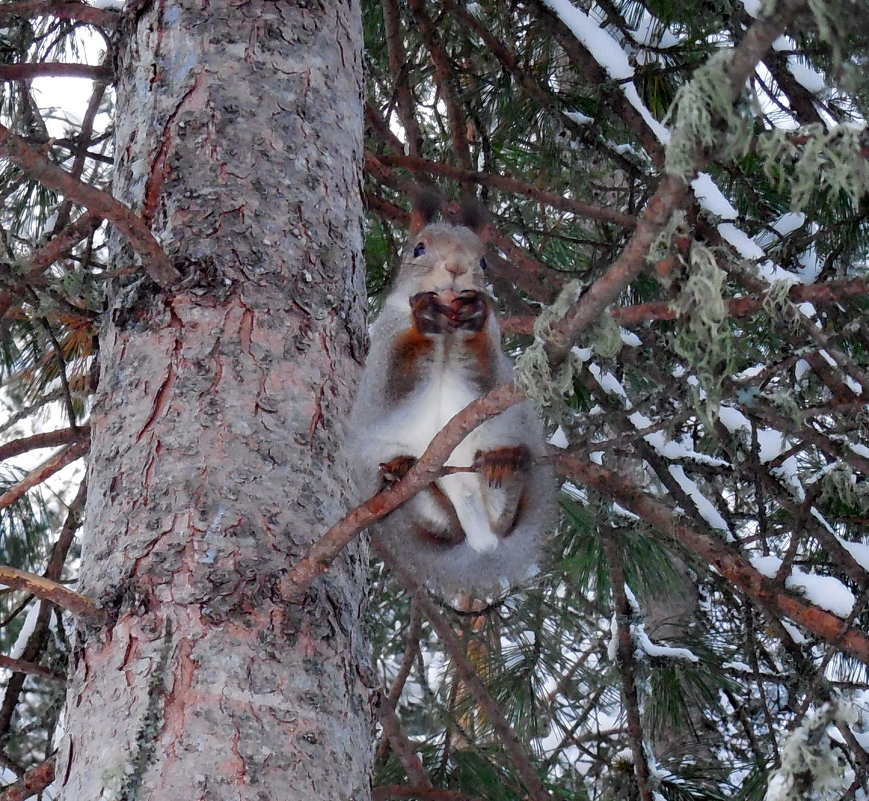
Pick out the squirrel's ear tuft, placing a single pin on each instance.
(473, 215)
(426, 206)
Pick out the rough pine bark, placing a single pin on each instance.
(218, 415)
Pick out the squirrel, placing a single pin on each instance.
(435, 347)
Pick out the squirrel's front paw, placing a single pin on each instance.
(394, 470)
(469, 310)
(429, 315)
(500, 464)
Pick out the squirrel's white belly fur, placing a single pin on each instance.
(432, 407)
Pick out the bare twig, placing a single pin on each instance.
(48, 439)
(31, 668)
(54, 69)
(50, 591)
(410, 651)
(48, 468)
(401, 745)
(627, 661)
(389, 791)
(103, 17)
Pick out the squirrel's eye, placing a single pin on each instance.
(484, 264)
(419, 249)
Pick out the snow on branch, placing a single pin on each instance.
(721, 557)
(610, 55)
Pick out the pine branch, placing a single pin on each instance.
(505, 184)
(51, 591)
(727, 562)
(399, 70)
(39, 168)
(47, 439)
(466, 672)
(446, 81)
(669, 195)
(595, 74)
(47, 469)
(102, 17)
(54, 69)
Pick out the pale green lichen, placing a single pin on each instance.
(704, 338)
(813, 158)
(839, 485)
(778, 305)
(677, 226)
(605, 337)
(812, 769)
(788, 404)
(533, 374)
(702, 117)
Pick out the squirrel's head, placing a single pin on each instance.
(440, 257)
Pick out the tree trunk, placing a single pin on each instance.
(215, 431)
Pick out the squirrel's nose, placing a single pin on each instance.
(455, 268)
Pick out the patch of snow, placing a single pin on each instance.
(630, 338)
(608, 382)
(26, 631)
(796, 635)
(558, 438)
(860, 552)
(733, 419)
(742, 242)
(645, 33)
(704, 506)
(620, 511)
(753, 7)
(826, 592)
(741, 667)
(766, 565)
(578, 117)
(859, 449)
(808, 76)
(711, 197)
(663, 651)
(801, 368)
(770, 443)
(770, 272)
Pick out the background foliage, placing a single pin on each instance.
(706, 592)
